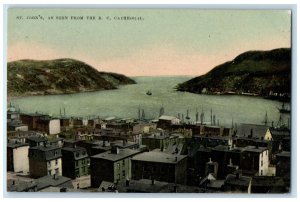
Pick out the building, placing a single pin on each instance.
(35, 141)
(31, 120)
(213, 141)
(165, 122)
(212, 130)
(16, 126)
(237, 183)
(48, 125)
(254, 131)
(17, 157)
(283, 165)
(255, 160)
(53, 181)
(45, 160)
(21, 186)
(159, 140)
(112, 166)
(75, 162)
(160, 166)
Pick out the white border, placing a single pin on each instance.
(213, 4)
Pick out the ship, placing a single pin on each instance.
(149, 92)
(284, 109)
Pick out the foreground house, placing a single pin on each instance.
(45, 160)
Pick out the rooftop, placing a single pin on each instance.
(258, 131)
(239, 181)
(161, 157)
(284, 154)
(14, 144)
(19, 186)
(49, 180)
(123, 153)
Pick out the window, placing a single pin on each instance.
(83, 161)
(118, 177)
(56, 171)
(123, 173)
(49, 163)
(261, 172)
(261, 163)
(55, 153)
(118, 166)
(83, 169)
(123, 162)
(77, 172)
(49, 172)
(56, 161)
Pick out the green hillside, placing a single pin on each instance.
(34, 77)
(263, 73)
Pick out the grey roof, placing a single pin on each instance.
(48, 153)
(259, 131)
(49, 180)
(241, 181)
(36, 138)
(146, 186)
(267, 181)
(19, 186)
(221, 148)
(123, 153)
(160, 157)
(255, 149)
(284, 154)
(78, 152)
(14, 145)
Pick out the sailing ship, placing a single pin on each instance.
(283, 109)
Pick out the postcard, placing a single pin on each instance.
(149, 100)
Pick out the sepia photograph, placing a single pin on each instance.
(149, 100)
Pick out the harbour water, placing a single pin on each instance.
(125, 102)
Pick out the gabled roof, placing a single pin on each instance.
(258, 131)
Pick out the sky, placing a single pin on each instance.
(165, 42)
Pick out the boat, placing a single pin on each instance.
(149, 92)
(284, 109)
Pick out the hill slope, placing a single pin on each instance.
(264, 73)
(35, 77)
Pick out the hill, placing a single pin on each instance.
(262, 73)
(60, 76)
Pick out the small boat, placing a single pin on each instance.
(284, 109)
(149, 92)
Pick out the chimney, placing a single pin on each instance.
(230, 162)
(153, 181)
(210, 160)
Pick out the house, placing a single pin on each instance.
(215, 130)
(154, 186)
(165, 122)
(112, 166)
(31, 119)
(49, 125)
(283, 165)
(21, 186)
(159, 140)
(75, 162)
(35, 141)
(213, 141)
(254, 131)
(53, 181)
(17, 157)
(237, 183)
(142, 128)
(45, 160)
(159, 166)
(255, 160)
(16, 126)
(268, 184)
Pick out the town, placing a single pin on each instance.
(126, 155)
